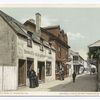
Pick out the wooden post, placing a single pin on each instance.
(98, 74)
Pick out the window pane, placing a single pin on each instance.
(29, 43)
(48, 69)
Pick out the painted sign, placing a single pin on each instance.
(36, 54)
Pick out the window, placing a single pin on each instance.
(29, 33)
(29, 42)
(48, 68)
(50, 48)
(59, 51)
(41, 45)
(75, 58)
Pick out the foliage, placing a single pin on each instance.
(94, 53)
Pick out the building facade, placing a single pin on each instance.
(76, 63)
(94, 59)
(20, 49)
(56, 37)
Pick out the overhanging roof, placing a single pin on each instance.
(95, 44)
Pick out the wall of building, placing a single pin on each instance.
(25, 52)
(70, 64)
(54, 31)
(61, 51)
(7, 57)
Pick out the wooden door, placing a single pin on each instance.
(22, 73)
(41, 73)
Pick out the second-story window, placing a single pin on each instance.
(29, 42)
(59, 50)
(50, 48)
(41, 44)
(75, 58)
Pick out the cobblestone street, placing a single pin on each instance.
(83, 83)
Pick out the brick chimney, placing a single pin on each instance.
(38, 24)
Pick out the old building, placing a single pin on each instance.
(70, 62)
(76, 63)
(56, 37)
(94, 59)
(21, 49)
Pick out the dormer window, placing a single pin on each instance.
(41, 44)
(29, 42)
(29, 33)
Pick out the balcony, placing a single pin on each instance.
(77, 62)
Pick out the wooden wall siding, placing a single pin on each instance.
(7, 44)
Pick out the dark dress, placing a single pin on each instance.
(33, 79)
(74, 76)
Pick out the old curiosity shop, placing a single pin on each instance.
(19, 50)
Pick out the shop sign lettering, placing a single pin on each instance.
(36, 54)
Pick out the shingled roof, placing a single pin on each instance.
(14, 24)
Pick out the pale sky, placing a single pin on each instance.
(82, 25)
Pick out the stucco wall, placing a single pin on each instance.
(8, 70)
(7, 44)
(37, 55)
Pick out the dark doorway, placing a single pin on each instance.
(29, 64)
(21, 72)
(41, 71)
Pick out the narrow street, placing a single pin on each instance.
(85, 83)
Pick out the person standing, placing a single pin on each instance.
(32, 77)
(61, 75)
(74, 76)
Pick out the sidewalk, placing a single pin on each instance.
(46, 86)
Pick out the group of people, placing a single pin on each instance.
(33, 79)
(61, 75)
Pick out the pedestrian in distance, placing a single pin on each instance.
(74, 76)
(61, 74)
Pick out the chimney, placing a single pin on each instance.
(38, 24)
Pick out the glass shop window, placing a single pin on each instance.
(48, 68)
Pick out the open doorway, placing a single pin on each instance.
(41, 71)
(30, 63)
(21, 72)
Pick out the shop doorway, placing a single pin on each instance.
(21, 72)
(41, 71)
(30, 64)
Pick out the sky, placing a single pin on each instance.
(82, 25)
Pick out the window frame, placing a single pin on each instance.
(50, 49)
(49, 69)
(29, 43)
(41, 45)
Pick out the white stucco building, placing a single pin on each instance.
(70, 62)
(76, 63)
(19, 50)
